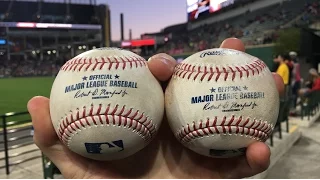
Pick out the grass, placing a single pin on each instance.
(16, 92)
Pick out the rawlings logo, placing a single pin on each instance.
(218, 53)
(212, 53)
(109, 48)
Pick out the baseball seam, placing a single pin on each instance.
(189, 71)
(116, 116)
(86, 64)
(259, 130)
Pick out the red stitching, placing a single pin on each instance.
(139, 122)
(117, 62)
(82, 64)
(207, 73)
(130, 62)
(233, 73)
(77, 64)
(256, 129)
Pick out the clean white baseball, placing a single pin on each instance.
(105, 104)
(221, 100)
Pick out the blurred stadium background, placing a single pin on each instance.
(38, 36)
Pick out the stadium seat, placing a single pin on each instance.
(311, 105)
(281, 118)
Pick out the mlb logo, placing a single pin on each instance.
(226, 153)
(106, 147)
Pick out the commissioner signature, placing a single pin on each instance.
(103, 93)
(241, 106)
(230, 106)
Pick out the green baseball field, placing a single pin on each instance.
(16, 92)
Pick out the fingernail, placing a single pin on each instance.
(150, 58)
(31, 105)
(166, 59)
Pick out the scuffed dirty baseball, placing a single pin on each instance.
(219, 101)
(105, 104)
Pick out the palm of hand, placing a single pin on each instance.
(164, 157)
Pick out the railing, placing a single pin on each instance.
(310, 105)
(282, 117)
(284, 111)
(17, 132)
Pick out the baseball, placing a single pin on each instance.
(105, 104)
(219, 101)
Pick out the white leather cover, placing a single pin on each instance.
(105, 104)
(221, 100)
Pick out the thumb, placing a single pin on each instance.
(44, 133)
(46, 139)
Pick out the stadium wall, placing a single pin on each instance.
(237, 12)
(264, 52)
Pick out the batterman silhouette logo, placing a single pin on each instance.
(105, 147)
(102, 86)
(222, 153)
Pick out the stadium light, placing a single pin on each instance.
(69, 47)
(84, 47)
(93, 47)
(9, 114)
(80, 47)
(26, 25)
(33, 52)
(38, 51)
(49, 52)
(54, 51)
(49, 25)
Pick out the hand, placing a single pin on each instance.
(164, 157)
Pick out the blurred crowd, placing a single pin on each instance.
(31, 67)
(296, 89)
(254, 28)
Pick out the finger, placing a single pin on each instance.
(233, 43)
(279, 83)
(44, 132)
(162, 66)
(258, 157)
(45, 136)
(257, 160)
